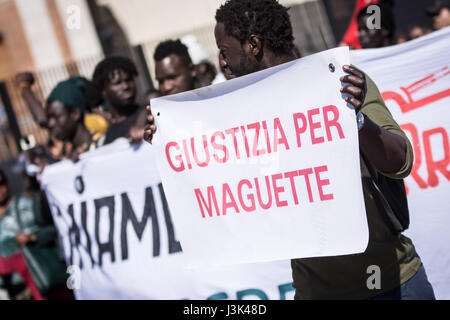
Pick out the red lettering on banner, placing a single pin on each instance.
(250, 197)
(211, 197)
(220, 147)
(178, 157)
(278, 128)
(204, 152)
(314, 125)
(255, 150)
(411, 104)
(417, 155)
(277, 190)
(291, 175)
(205, 148)
(332, 123)
(273, 185)
(432, 165)
(306, 173)
(186, 154)
(228, 204)
(244, 136)
(267, 205)
(233, 132)
(266, 135)
(299, 130)
(321, 183)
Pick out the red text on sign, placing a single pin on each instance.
(277, 190)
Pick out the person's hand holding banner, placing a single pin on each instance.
(150, 128)
(356, 88)
(214, 145)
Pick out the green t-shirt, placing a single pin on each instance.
(347, 277)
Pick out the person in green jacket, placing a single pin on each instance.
(14, 234)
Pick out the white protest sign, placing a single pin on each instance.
(414, 80)
(120, 242)
(229, 205)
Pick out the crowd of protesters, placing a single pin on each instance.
(81, 115)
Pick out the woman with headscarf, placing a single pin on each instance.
(65, 109)
(80, 99)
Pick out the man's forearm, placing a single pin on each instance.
(35, 106)
(385, 150)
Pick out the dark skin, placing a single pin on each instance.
(26, 79)
(372, 38)
(61, 122)
(227, 76)
(65, 124)
(120, 90)
(238, 59)
(4, 197)
(136, 132)
(203, 78)
(385, 150)
(40, 115)
(173, 75)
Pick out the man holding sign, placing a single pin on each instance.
(257, 35)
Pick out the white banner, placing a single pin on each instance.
(102, 225)
(213, 147)
(414, 79)
(120, 242)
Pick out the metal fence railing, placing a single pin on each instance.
(45, 81)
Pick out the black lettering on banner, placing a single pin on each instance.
(88, 237)
(58, 210)
(106, 205)
(79, 184)
(61, 249)
(74, 237)
(174, 244)
(109, 245)
(139, 226)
